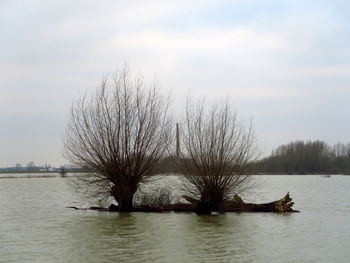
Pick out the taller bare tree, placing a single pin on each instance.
(119, 134)
(216, 149)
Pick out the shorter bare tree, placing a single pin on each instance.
(119, 135)
(216, 150)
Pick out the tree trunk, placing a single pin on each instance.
(207, 207)
(203, 208)
(124, 195)
(210, 201)
(125, 204)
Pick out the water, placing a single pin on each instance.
(35, 226)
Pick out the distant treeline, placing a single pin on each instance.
(312, 157)
(299, 157)
(41, 170)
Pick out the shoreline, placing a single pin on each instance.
(75, 174)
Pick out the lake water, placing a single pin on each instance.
(35, 226)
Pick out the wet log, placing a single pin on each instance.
(282, 205)
(238, 205)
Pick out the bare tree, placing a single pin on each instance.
(119, 134)
(216, 149)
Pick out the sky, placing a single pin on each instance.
(285, 64)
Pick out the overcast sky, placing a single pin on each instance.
(284, 63)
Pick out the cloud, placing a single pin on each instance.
(203, 39)
(281, 61)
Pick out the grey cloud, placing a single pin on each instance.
(284, 69)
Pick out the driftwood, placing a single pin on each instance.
(238, 205)
(280, 206)
(284, 205)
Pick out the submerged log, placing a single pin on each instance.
(238, 205)
(283, 205)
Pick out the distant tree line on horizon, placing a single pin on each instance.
(32, 168)
(306, 157)
(299, 157)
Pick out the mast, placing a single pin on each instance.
(177, 140)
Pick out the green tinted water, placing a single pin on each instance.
(35, 226)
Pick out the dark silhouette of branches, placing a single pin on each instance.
(119, 134)
(155, 198)
(216, 149)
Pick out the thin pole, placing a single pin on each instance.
(177, 140)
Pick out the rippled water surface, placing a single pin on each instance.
(35, 226)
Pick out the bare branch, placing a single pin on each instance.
(217, 147)
(119, 134)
